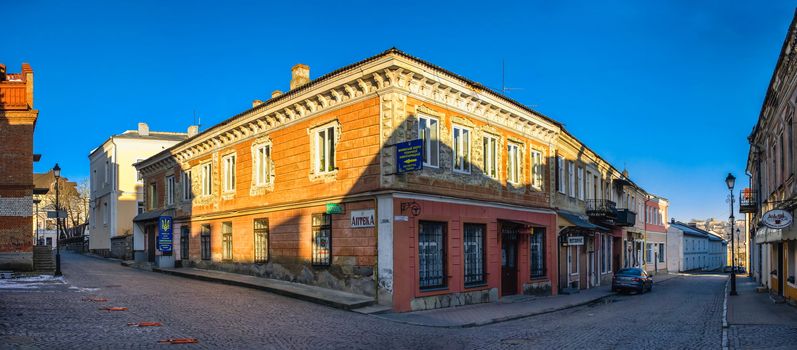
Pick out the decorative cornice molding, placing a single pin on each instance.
(390, 72)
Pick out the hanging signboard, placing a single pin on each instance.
(409, 156)
(777, 218)
(362, 218)
(56, 214)
(575, 240)
(165, 237)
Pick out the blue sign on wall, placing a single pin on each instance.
(165, 234)
(409, 156)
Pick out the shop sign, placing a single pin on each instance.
(575, 240)
(401, 218)
(409, 156)
(165, 237)
(334, 208)
(777, 218)
(362, 218)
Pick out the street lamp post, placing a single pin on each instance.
(731, 181)
(57, 173)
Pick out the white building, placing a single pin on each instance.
(117, 194)
(692, 249)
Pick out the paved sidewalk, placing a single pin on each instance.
(755, 321)
(325, 296)
(507, 309)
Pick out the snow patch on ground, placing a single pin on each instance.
(31, 282)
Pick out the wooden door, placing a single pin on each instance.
(508, 262)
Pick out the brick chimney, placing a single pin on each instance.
(300, 75)
(143, 129)
(2, 72)
(193, 130)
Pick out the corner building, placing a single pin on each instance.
(305, 187)
(17, 122)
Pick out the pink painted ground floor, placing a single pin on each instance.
(439, 252)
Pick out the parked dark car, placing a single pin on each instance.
(632, 278)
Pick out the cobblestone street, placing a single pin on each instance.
(684, 313)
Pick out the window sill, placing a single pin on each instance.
(461, 172)
(433, 289)
(473, 286)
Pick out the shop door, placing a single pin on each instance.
(509, 237)
(149, 230)
(780, 269)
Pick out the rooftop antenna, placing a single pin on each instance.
(504, 88)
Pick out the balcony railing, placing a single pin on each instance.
(748, 201)
(601, 209)
(625, 217)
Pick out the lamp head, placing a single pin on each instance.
(57, 171)
(730, 180)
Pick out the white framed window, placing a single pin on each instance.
(206, 176)
(490, 156)
(461, 144)
(107, 172)
(537, 169)
(581, 184)
(571, 179)
(105, 214)
(262, 165)
(169, 190)
(560, 172)
(228, 174)
(513, 163)
(152, 195)
(324, 146)
(429, 132)
(187, 192)
(139, 176)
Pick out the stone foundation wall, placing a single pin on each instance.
(122, 247)
(454, 299)
(343, 277)
(538, 288)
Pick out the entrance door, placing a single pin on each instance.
(780, 269)
(509, 237)
(591, 270)
(149, 230)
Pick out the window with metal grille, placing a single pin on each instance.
(537, 252)
(261, 240)
(184, 243)
(226, 241)
(205, 242)
(431, 255)
(322, 239)
(474, 254)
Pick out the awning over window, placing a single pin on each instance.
(573, 220)
(152, 215)
(770, 235)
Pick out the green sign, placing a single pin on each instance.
(334, 208)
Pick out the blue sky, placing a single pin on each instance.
(669, 89)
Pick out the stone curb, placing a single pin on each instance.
(278, 291)
(515, 317)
